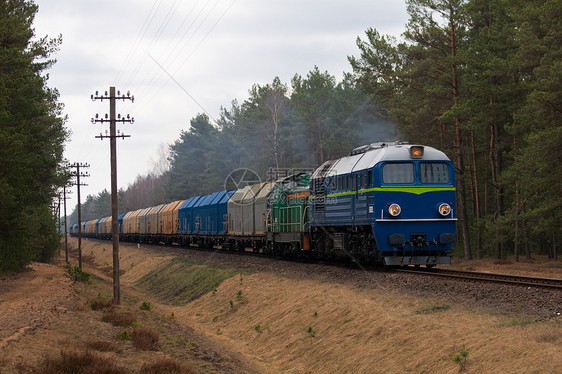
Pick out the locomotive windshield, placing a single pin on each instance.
(434, 172)
(398, 173)
(404, 173)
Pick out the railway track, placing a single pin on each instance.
(551, 283)
(527, 281)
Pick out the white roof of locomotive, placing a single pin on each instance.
(374, 154)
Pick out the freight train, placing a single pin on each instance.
(389, 203)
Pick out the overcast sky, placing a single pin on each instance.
(183, 57)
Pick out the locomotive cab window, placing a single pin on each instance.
(434, 172)
(398, 173)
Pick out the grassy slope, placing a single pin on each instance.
(297, 325)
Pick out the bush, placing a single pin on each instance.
(77, 274)
(103, 346)
(124, 335)
(461, 359)
(145, 306)
(117, 318)
(145, 338)
(100, 304)
(79, 362)
(165, 366)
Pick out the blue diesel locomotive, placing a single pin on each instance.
(385, 202)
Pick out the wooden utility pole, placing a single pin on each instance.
(113, 135)
(58, 214)
(79, 174)
(65, 224)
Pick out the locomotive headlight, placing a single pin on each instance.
(444, 209)
(416, 151)
(394, 210)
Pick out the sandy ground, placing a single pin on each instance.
(269, 323)
(32, 300)
(44, 313)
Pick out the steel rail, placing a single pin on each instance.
(527, 281)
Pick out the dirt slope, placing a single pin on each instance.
(44, 313)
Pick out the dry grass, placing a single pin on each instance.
(46, 313)
(537, 266)
(300, 325)
(165, 366)
(79, 363)
(100, 304)
(179, 281)
(118, 318)
(103, 346)
(550, 336)
(136, 262)
(145, 338)
(331, 328)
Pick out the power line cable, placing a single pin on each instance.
(170, 76)
(140, 35)
(147, 85)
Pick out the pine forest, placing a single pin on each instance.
(479, 79)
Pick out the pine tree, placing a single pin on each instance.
(419, 82)
(538, 162)
(32, 135)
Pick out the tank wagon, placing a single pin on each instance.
(391, 203)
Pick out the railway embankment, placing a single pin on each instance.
(276, 316)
